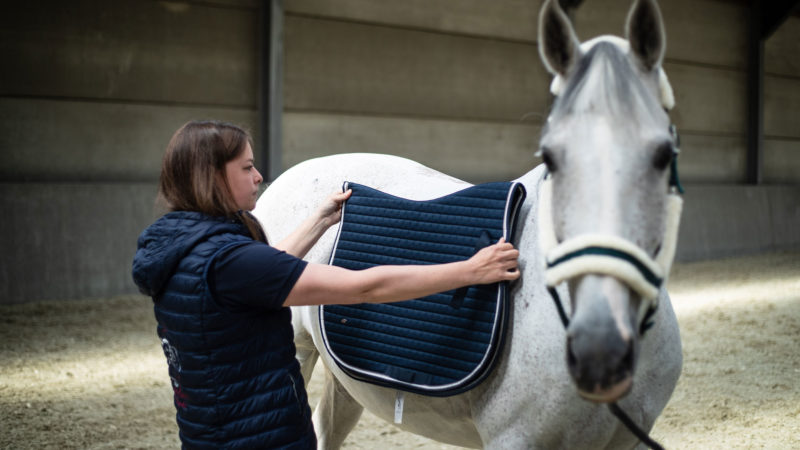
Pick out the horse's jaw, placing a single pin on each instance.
(601, 338)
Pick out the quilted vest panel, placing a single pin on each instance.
(236, 381)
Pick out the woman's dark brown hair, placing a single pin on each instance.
(193, 171)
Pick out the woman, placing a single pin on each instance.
(221, 293)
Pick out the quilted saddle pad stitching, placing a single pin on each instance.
(405, 261)
(378, 357)
(455, 357)
(455, 344)
(445, 215)
(372, 325)
(403, 245)
(405, 242)
(427, 238)
(370, 375)
(475, 192)
(514, 192)
(440, 305)
(396, 257)
(442, 311)
(409, 321)
(355, 246)
(452, 380)
(401, 350)
(458, 204)
(402, 250)
(408, 226)
(463, 363)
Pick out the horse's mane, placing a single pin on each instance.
(605, 81)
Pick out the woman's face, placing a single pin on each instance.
(243, 179)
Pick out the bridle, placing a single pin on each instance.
(614, 256)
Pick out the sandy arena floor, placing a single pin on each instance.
(91, 374)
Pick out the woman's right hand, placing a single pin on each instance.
(497, 262)
(330, 211)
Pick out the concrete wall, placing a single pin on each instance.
(728, 220)
(459, 87)
(782, 114)
(90, 92)
(439, 74)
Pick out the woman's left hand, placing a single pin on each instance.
(330, 211)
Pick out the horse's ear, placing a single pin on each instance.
(558, 45)
(645, 32)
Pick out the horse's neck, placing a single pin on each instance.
(527, 242)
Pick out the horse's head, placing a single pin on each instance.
(609, 228)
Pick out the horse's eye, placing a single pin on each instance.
(663, 156)
(547, 157)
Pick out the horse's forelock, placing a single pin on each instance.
(605, 81)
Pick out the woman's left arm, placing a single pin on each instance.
(300, 241)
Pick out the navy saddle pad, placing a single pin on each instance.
(439, 345)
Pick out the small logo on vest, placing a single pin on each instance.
(174, 363)
(172, 355)
(180, 396)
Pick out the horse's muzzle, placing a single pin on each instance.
(602, 339)
(604, 374)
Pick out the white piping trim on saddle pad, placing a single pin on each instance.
(666, 93)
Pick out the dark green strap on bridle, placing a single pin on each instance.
(648, 274)
(674, 179)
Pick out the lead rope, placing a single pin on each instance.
(615, 409)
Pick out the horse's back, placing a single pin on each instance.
(299, 190)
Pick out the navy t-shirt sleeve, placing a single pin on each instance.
(253, 275)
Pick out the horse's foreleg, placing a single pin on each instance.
(336, 414)
(307, 357)
(306, 352)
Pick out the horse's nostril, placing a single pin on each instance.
(627, 360)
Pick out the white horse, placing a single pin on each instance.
(607, 149)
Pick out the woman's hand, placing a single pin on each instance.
(495, 263)
(330, 211)
(300, 241)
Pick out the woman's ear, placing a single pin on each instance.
(559, 47)
(645, 33)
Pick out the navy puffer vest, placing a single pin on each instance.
(237, 383)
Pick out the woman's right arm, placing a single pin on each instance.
(322, 284)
